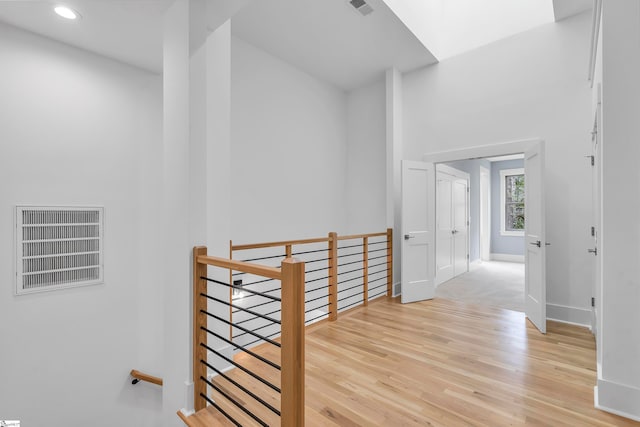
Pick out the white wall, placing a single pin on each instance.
(366, 159)
(75, 129)
(289, 150)
(529, 85)
(619, 374)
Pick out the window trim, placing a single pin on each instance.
(503, 174)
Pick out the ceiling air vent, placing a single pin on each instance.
(58, 247)
(362, 7)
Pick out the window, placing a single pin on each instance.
(512, 202)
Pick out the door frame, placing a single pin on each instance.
(483, 151)
(461, 175)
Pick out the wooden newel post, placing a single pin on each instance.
(389, 262)
(333, 276)
(292, 350)
(199, 336)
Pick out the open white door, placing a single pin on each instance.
(452, 223)
(418, 231)
(535, 272)
(445, 262)
(461, 226)
(596, 180)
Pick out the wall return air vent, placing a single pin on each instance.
(58, 247)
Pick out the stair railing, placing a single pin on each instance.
(291, 274)
(342, 272)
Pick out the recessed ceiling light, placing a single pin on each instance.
(66, 12)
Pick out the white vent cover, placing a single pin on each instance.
(361, 6)
(58, 247)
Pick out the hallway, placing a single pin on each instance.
(489, 283)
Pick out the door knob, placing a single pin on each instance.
(408, 236)
(593, 251)
(536, 243)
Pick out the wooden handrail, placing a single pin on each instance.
(361, 236)
(275, 244)
(141, 376)
(244, 267)
(302, 241)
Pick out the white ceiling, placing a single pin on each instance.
(331, 40)
(127, 30)
(563, 9)
(325, 38)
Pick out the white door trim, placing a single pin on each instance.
(481, 151)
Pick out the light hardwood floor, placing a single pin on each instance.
(492, 283)
(441, 363)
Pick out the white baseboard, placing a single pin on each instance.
(188, 398)
(507, 257)
(571, 315)
(397, 289)
(618, 399)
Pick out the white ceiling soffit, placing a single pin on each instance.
(126, 30)
(331, 40)
(563, 9)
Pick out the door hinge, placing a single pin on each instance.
(593, 231)
(593, 159)
(593, 302)
(467, 189)
(467, 256)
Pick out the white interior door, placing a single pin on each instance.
(535, 270)
(460, 227)
(444, 228)
(485, 233)
(452, 223)
(418, 231)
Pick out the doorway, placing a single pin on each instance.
(495, 278)
(534, 233)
